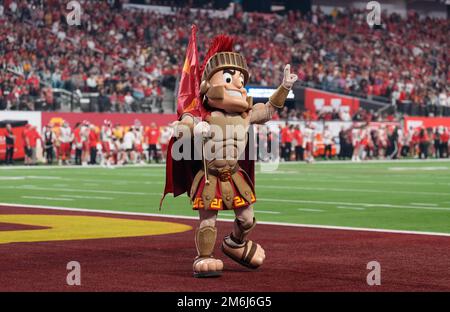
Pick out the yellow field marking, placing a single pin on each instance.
(64, 227)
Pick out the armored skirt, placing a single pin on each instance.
(227, 189)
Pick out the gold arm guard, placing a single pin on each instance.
(278, 98)
(205, 239)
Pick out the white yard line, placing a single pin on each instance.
(299, 201)
(107, 180)
(260, 199)
(79, 190)
(310, 210)
(351, 181)
(329, 162)
(267, 211)
(417, 168)
(423, 204)
(350, 208)
(43, 177)
(47, 198)
(87, 197)
(45, 167)
(349, 190)
(316, 226)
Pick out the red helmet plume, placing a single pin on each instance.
(221, 43)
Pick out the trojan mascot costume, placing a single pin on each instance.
(214, 116)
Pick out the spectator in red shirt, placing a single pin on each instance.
(33, 83)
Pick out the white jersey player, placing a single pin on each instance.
(106, 136)
(308, 142)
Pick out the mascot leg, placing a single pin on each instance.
(237, 246)
(205, 265)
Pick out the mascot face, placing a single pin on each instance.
(227, 91)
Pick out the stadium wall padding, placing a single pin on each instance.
(33, 118)
(17, 127)
(313, 97)
(427, 122)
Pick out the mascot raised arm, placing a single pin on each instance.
(216, 112)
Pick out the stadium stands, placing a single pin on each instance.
(132, 56)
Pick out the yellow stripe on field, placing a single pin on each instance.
(63, 227)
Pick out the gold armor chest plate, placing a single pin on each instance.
(228, 139)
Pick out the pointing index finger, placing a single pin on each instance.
(287, 69)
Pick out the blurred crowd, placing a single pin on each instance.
(403, 60)
(130, 55)
(106, 54)
(295, 114)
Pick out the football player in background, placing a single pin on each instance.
(93, 141)
(84, 134)
(65, 138)
(308, 141)
(164, 139)
(138, 142)
(106, 137)
(49, 143)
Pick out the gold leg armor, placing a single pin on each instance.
(205, 239)
(205, 265)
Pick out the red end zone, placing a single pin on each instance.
(298, 259)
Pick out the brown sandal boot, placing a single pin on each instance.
(243, 251)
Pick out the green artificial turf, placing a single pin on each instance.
(396, 195)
